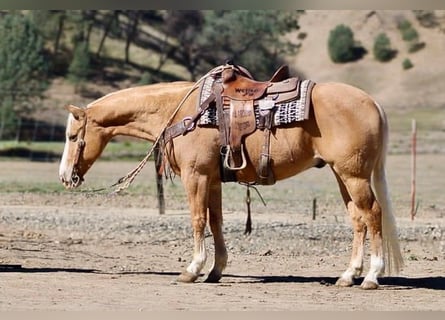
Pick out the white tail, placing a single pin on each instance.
(391, 248)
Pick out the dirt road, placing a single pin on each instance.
(77, 251)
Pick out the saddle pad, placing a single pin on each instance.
(295, 110)
(285, 113)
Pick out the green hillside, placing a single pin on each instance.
(93, 52)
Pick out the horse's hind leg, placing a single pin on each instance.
(367, 212)
(215, 221)
(356, 263)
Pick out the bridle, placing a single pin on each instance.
(80, 146)
(125, 181)
(188, 124)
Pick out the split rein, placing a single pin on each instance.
(125, 181)
(187, 124)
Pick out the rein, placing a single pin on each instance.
(125, 181)
(186, 125)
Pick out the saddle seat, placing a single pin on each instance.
(279, 88)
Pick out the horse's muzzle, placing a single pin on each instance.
(71, 183)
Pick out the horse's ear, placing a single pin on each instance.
(77, 112)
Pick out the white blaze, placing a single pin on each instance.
(65, 171)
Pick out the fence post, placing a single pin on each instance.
(159, 182)
(314, 208)
(413, 168)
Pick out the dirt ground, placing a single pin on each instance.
(86, 251)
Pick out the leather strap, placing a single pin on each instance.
(265, 174)
(222, 118)
(188, 123)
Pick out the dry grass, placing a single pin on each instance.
(393, 87)
(293, 195)
(405, 95)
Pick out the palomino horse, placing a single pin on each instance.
(346, 128)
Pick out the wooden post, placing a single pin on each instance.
(314, 208)
(159, 184)
(413, 168)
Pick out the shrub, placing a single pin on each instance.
(427, 18)
(410, 36)
(407, 30)
(342, 47)
(407, 64)
(415, 46)
(382, 48)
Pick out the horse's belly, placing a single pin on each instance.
(287, 168)
(289, 154)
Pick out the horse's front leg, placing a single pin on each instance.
(197, 188)
(216, 220)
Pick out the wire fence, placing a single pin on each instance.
(17, 140)
(33, 130)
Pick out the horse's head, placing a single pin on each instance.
(84, 143)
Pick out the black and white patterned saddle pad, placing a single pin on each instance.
(285, 113)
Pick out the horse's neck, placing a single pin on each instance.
(138, 112)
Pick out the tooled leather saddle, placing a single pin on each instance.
(239, 98)
(241, 106)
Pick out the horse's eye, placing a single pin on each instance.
(72, 138)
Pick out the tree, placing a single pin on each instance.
(184, 27)
(131, 31)
(110, 19)
(51, 25)
(79, 68)
(23, 72)
(251, 38)
(342, 47)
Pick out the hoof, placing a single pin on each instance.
(213, 277)
(344, 283)
(369, 285)
(187, 277)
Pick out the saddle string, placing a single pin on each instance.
(125, 181)
(248, 185)
(248, 229)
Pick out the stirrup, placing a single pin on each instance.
(243, 157)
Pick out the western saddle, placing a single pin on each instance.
(239, 97)
(236, 96)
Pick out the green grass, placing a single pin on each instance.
(427, 119)
(122, 150)
(56, 147)
(126, 150)
(35, 187)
